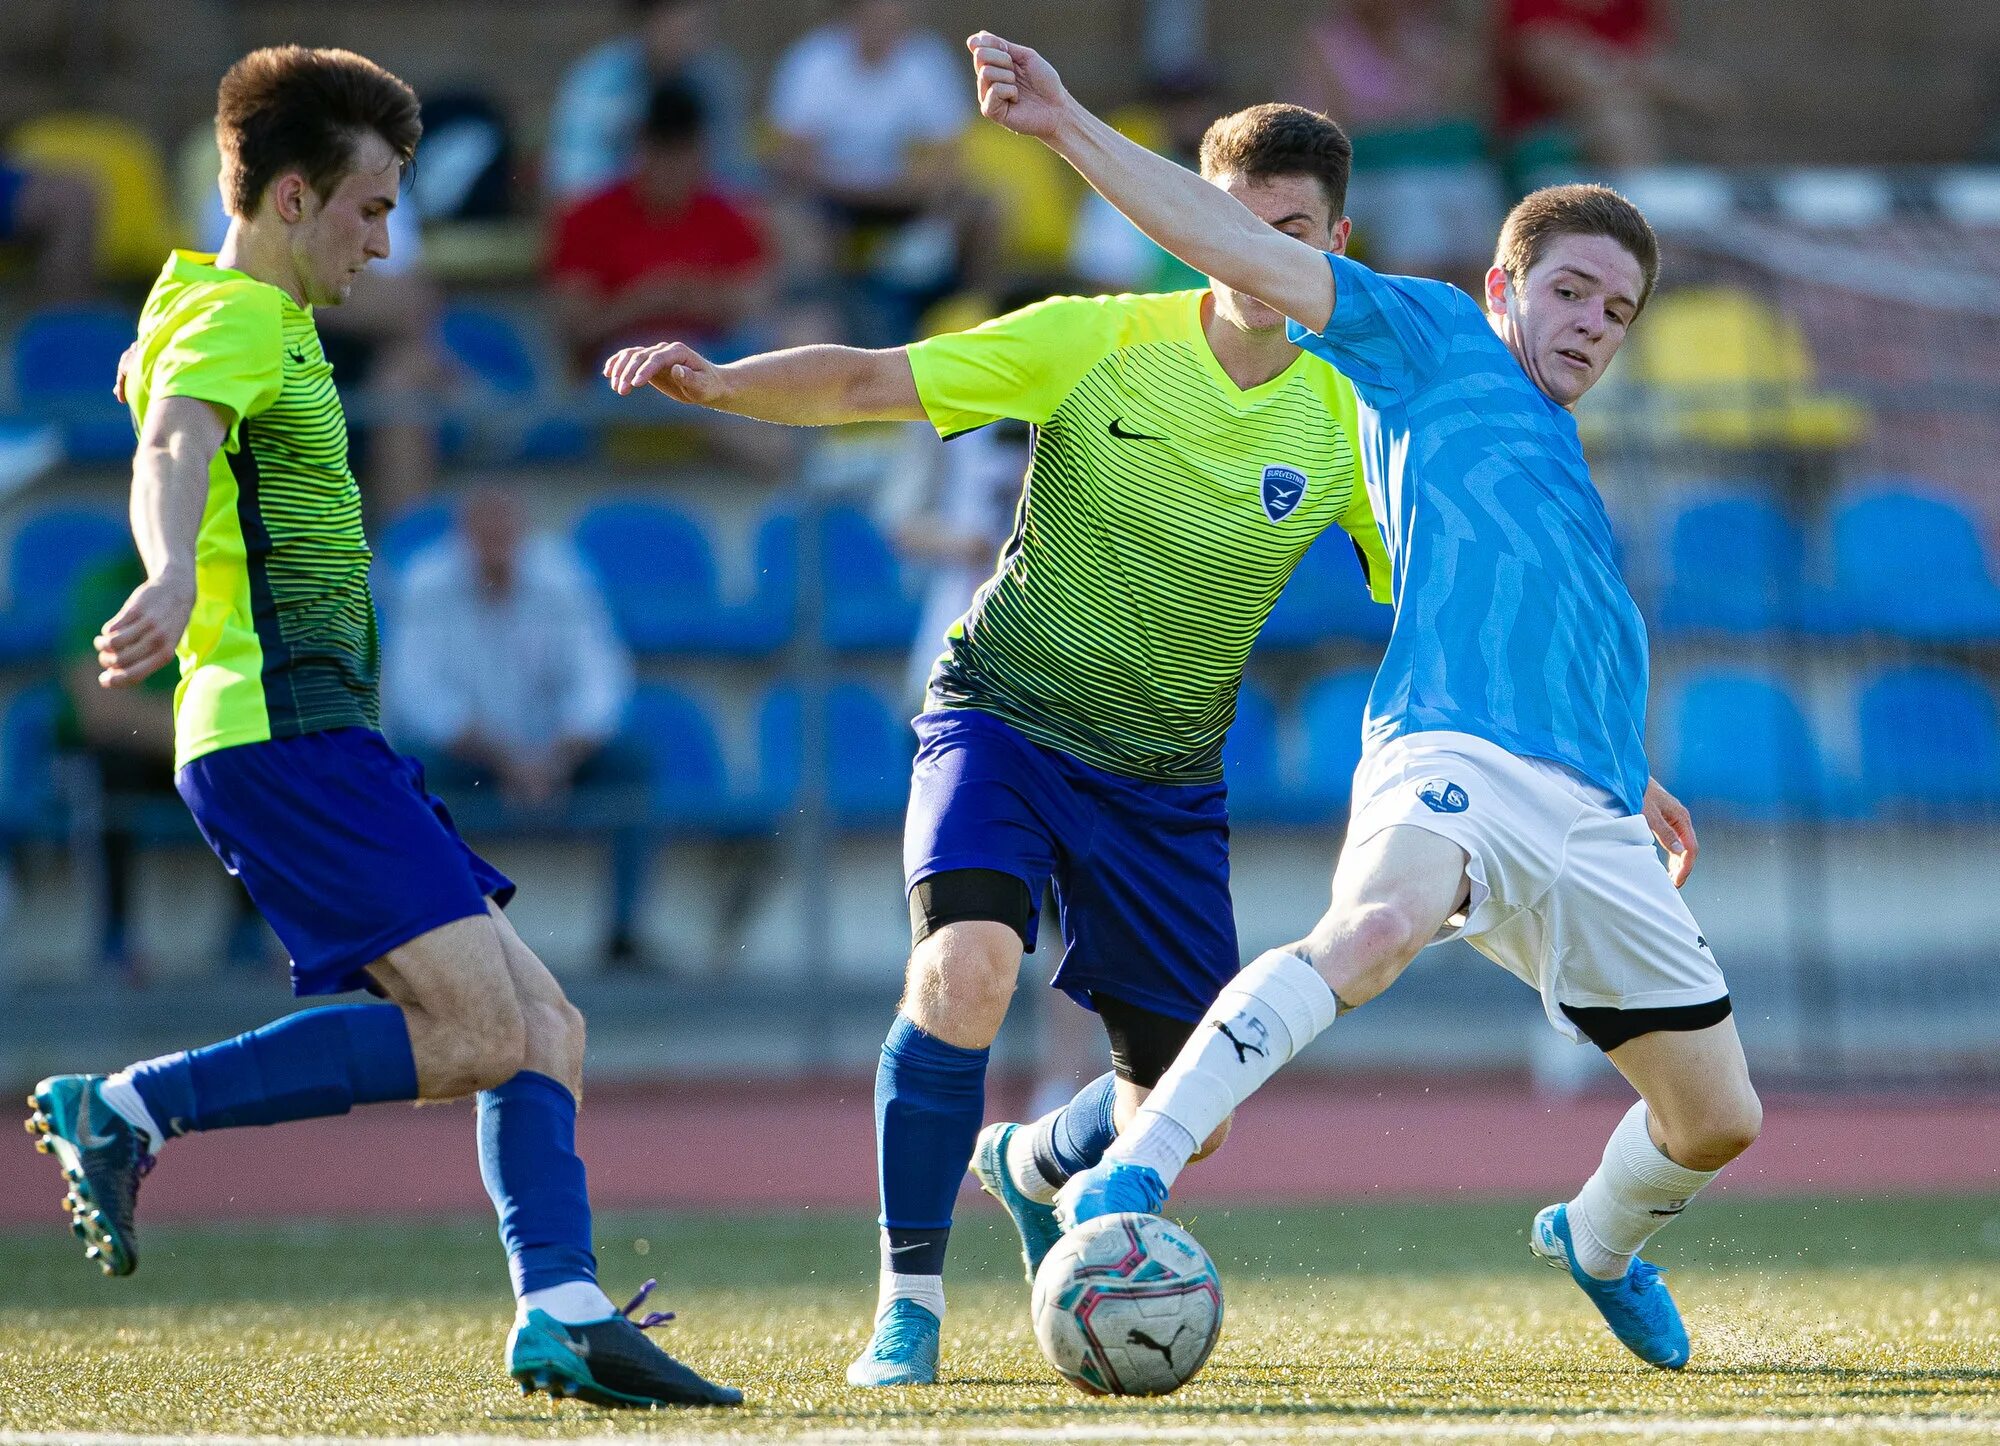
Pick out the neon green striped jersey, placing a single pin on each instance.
(1163, 511)
(282, 640)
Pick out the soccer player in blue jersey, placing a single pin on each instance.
(1503, 794)
(248, 519)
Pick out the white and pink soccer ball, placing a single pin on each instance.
(1127, 1305)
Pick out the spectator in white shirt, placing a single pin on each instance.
(503, 672)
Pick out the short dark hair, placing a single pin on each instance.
(1281, 140)
(675, 114)
(288, 106)
(1575, 210)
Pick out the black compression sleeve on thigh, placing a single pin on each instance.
(959, 896)
(1609, 1028)
(1143, 1043)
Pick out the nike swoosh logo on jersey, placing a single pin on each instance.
(1118, 431)
(298, 357)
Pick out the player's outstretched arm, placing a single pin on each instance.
(1206, 227)
(806, 386)
(169, 494)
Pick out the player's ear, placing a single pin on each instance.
(1342, 229)
(1498, 292)
(288, 196)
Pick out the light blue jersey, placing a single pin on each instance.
(1513, 623)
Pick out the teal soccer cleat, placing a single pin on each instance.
(1035, 1221)
(607, 1362)
(1109, 1189)
(103, 1158)
(902, 1352)
(1636, 1306)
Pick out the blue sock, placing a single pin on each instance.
(930, 1098)
(528, 1159)
(1070, 1140)
(316, 1062)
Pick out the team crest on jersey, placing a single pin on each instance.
(1442, 797)
(1284, 489)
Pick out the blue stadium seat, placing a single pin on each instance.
(1736, 564)
(1930, 742)
(50, 550)
(869, 745)
(1331, 712)
(501, 361)
(410, 533)
(690, 783)
(1250, 759)
(659, 574)
(1913, 566)
(1743, 748)
(869, 603)
(29, 805)
(1326, 597)
(64, 363)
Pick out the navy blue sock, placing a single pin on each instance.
(1069, 1140)
(930, 1098)
(316, 1062)
(528, 1159)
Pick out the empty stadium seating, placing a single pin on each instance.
(1326, 597)
(1742, 748)
(660, 576)
(64, 362)
(1736, 564)
(1929, 743)
(869, 601)
(49, 550)
(1912, 564)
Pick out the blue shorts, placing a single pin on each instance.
(12, 183)
(1141, 870)
(339, 845)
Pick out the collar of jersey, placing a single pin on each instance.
(198, 266)
(1238, 397)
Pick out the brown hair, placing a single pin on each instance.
(287, 107)
(1575, 210)
(1281, 140)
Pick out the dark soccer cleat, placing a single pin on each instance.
(607, 1362)
(103, 1158)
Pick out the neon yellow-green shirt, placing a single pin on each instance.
(1165, 507)
(282, 640)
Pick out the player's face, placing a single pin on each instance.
(1295, 205)
(1569, 317)
(338, 235)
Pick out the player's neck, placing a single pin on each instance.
(1248, 358)
(263, 255)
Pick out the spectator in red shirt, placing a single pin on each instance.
(1600, 70)
(664, 254)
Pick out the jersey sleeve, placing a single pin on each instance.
(223, 345)
(1388, 332)
(1017, 366)
(1358, 522)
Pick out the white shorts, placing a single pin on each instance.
(1567, 890)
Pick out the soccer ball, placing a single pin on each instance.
(1127, 1305)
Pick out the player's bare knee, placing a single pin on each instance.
(1361, 951)
(1714, 1133)
(495, 1039)
(956, 985)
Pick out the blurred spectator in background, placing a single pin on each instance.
(504, 674)
(1405, 86)
(601, 105)
(867, 112)
(54, 216)
(1591, 80)
(117, 753)
(663, 254)
(1109, 253)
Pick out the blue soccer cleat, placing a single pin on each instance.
(1636, 1306)
(1109, 1189)
(902, 1352)
(607, 1362)
(103, 1158)
(1035, 1221)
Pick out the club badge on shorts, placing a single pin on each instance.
(1284, 489)
(1440, 796)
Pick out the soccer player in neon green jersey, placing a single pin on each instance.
(1185, 456)
(248, 520)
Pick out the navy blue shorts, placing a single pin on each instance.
(340, 846)
(1141, 870)
(12, 182)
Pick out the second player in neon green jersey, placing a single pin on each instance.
(1185, 456)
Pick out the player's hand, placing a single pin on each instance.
(672, 367)
(1672, 825)
(127, 364)
(140, 640)
(1017, 88)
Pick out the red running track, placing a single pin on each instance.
(785, 1146)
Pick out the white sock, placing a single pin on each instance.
(123, 1097)
(1266, 1014)
(1022, 1169)
(574, 1302)
(926, 1290)
(1635, 1191)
